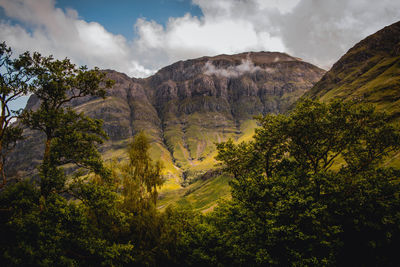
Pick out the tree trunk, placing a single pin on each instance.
(45, 181)
(2, 128)
(46, 156)
(2, 169)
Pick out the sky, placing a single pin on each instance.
(138, 37)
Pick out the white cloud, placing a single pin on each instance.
(317, 31)
(247, 66)
(322, 31)
(189, 37)
(284, 6)
(60, 33)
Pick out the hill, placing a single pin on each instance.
(369, 71)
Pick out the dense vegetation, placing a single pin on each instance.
(310, 188)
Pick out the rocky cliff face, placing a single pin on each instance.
(186, 107)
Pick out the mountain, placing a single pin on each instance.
(185, 108)
(369, 71)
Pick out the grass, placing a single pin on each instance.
(367, 75)
(201, 195)
(204, 195)
(380, 82)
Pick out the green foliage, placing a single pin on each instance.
(187, 239)
(70, 137)
(56, 232)
(290, 207)
(137, 181)
(110, 220)
(140, 177)
(39, 225)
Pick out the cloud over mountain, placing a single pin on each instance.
(247, 66)
(317, 31)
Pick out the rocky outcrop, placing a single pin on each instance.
(188, 106)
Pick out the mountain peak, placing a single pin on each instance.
(228, 65)
(258, 58)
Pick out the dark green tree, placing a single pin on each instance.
(14, 83)
(39, 225)
(69, 137)
(58, 232)
(310, 189)
(188, 239)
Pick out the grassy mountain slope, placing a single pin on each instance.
(368, 72)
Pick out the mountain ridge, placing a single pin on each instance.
(369, 72)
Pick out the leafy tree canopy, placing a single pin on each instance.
(71, 137)
(310, 189)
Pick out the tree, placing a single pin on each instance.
(312, 139)
(310, 189)
(14, 83)
(187, 239)
(137, 181)
(69, 137)
(40, 226)
(62, 232)
(140, 177)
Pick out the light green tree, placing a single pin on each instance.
(140, 176)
